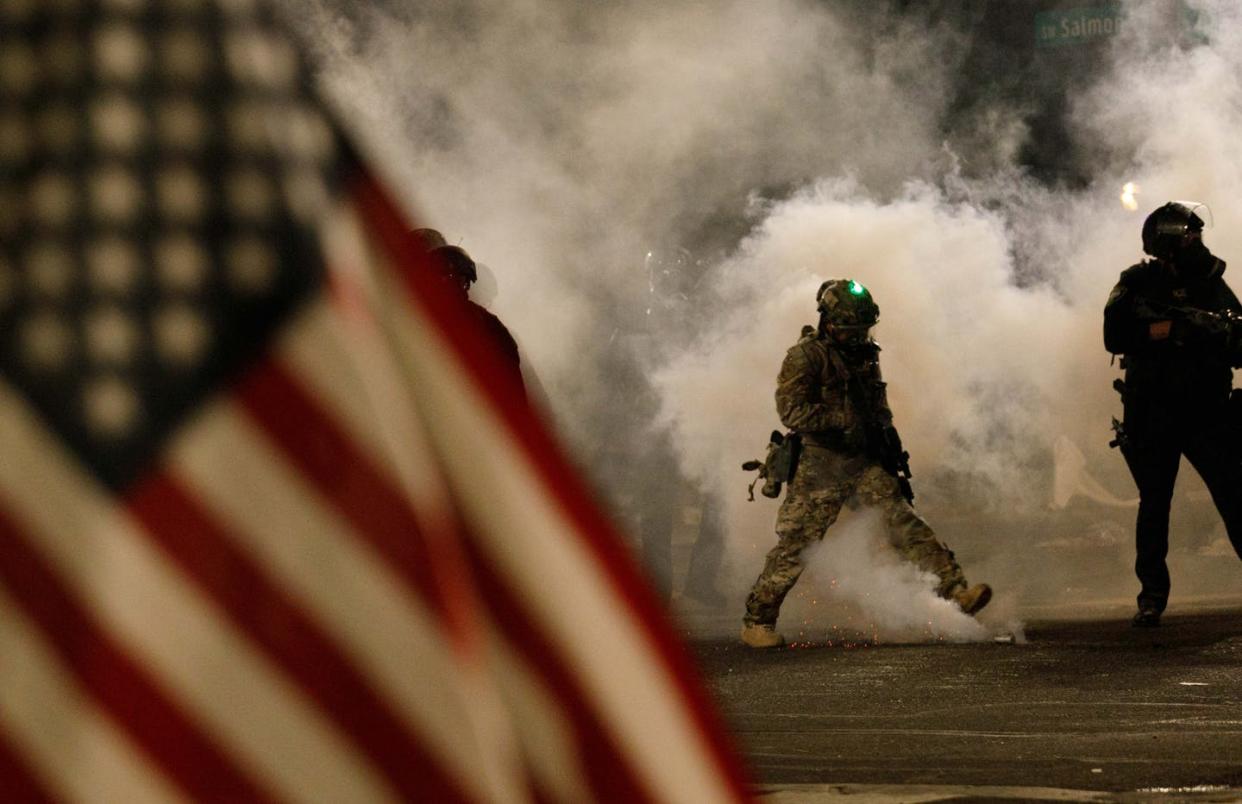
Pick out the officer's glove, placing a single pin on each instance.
(1196, 334)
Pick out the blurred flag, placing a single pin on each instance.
(273, 526)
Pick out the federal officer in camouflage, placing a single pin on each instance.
(830, 392)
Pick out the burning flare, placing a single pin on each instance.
(1128, 193)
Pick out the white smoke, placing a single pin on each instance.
(803, 140)
(977, 367)
(967, 352)
(986, 371)
(558, 144)
(872, 594)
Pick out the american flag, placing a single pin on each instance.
(274, 525)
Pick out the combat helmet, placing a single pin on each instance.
(844, 304)
(1165, 232)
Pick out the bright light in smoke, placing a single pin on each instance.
(1128, 193)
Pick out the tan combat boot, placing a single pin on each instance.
(762, 636)
(973, 599)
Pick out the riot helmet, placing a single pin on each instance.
(846, 305)
(1172, 228)
(455, 264)
(430, 238)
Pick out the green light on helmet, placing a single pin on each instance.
(856, 289)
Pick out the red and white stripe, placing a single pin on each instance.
(550, 567)
(363, 573)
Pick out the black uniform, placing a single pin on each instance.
(1176, 403)
(501, 338)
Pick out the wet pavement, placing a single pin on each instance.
(1083, 705)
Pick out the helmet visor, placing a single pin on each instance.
(1198, 216)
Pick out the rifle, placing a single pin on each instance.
(1224, 326)
(885, 444)
(778, 466)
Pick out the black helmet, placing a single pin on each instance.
(846, 304)
(430, 238)
(1166, 230)
(456, 263)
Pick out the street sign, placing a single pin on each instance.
(1077, 26)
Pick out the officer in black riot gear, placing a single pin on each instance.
(1172, 319)
(458, 271)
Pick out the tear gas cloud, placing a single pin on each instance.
(856, 587)
(783, 143)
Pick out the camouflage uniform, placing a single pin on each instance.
(831, 393)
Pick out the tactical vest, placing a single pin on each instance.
(860, 365)
(1164, 370)
(850, 378)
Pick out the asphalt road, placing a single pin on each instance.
(1082, 705)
